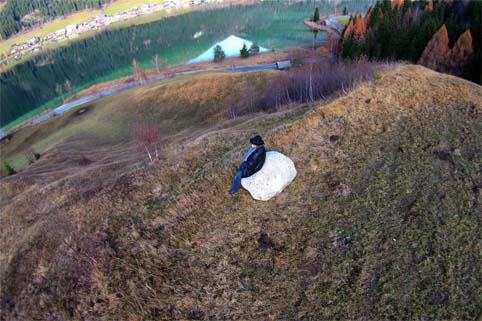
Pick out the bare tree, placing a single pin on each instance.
(234, 107)
(139, 74)
(157, 63)
(146, 136)
(59, 90)
(68, 87)
(31, 154)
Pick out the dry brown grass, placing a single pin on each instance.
(262, 58)
(168, 243)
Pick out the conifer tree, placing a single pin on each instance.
(219, 54)
(316, 15)
(244, 53)
(254, 49)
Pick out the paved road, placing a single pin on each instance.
(63, 108)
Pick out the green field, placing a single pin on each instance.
(270, 25)
(344, 20)
(123, 5)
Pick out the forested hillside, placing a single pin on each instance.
(12, 17)
(402, 30)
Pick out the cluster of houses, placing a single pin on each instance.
(34, 44)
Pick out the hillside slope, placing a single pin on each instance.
(382, 222)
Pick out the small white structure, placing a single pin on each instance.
(278, 172)
(60, 33)
(285, 64)
(71, 28)
(33, 40)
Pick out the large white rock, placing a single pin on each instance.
(277, 172)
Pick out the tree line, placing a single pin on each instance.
(11, 15)
(401, 30)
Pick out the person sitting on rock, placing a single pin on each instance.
(253, 162)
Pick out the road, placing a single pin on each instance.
(63, 108)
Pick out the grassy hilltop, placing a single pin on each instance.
(382, 222)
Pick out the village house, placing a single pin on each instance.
(59, 33)
(33, 40)
(71, 29)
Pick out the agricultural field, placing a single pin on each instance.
(122, 5)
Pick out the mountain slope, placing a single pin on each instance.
(382, 221)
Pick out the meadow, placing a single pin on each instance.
(381, 221)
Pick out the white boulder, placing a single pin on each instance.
(277, 172)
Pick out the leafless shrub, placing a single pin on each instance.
(31, 155)
(314, 81)
(139, 74)
(234, 107)
(157, 63)
(147, 135)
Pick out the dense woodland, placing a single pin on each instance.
(442, 35)
(13, 16)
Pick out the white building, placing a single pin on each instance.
(71, 28)
(60, 33)
(33, 40)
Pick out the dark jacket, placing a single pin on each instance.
(254, 162)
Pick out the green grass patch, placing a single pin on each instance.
(123, 5)
(344, 20)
